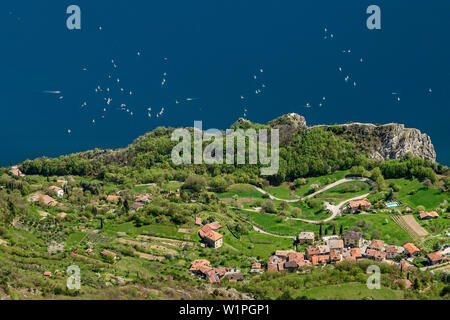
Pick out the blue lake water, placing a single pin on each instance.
(213, 50)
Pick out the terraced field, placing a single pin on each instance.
(410, 225)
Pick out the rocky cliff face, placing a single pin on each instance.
(389, 141)
(288, 125)
(381, 142)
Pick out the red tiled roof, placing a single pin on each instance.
(435, 256)
(320, 259)
(372, 253)
(432, 214)
(391, 250)
(335, 255)
(355, 253)
(212, 235)
(411, 248)
(356, 204)
(298, 257)
(377, 244)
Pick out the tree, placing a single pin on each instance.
(126, 205)
(334, 230)
(437, 246)
(416, 284)
(341, 230)
(320, 232)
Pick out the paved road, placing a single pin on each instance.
(275, 198)
(335, 210)
(271, 234)
(332, 185)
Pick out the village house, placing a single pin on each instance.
(320, 259)
(47, 274)
(435, 258)
(196, 264)
(335, 255)
(411, 250)
(391, 252)
(283, 254)
(57, 190)
(298, 258)
(321, 250)
(202, 267)
(375, 254)
(355, 253)
(275, 264)
(335, 244)
(428, 215)
(352, 239)
(306, 237)
(211, 237)
(377, 245)
(198, 221)
(358, 206)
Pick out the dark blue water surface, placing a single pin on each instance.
(213, 50)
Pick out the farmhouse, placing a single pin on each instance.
(211, 237)
(377, 245)
(357, 206)
(57, 190)
(336, 245)
(428, 215)
(435, 258)
(196, 264)
(320, 259)
(299, 259)
(352, 239)
(275, 264)
(355, 253)
(335, 255)
(375, 255)
(391, 252)
(411, 250)
(283, 253)
(306, 237)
